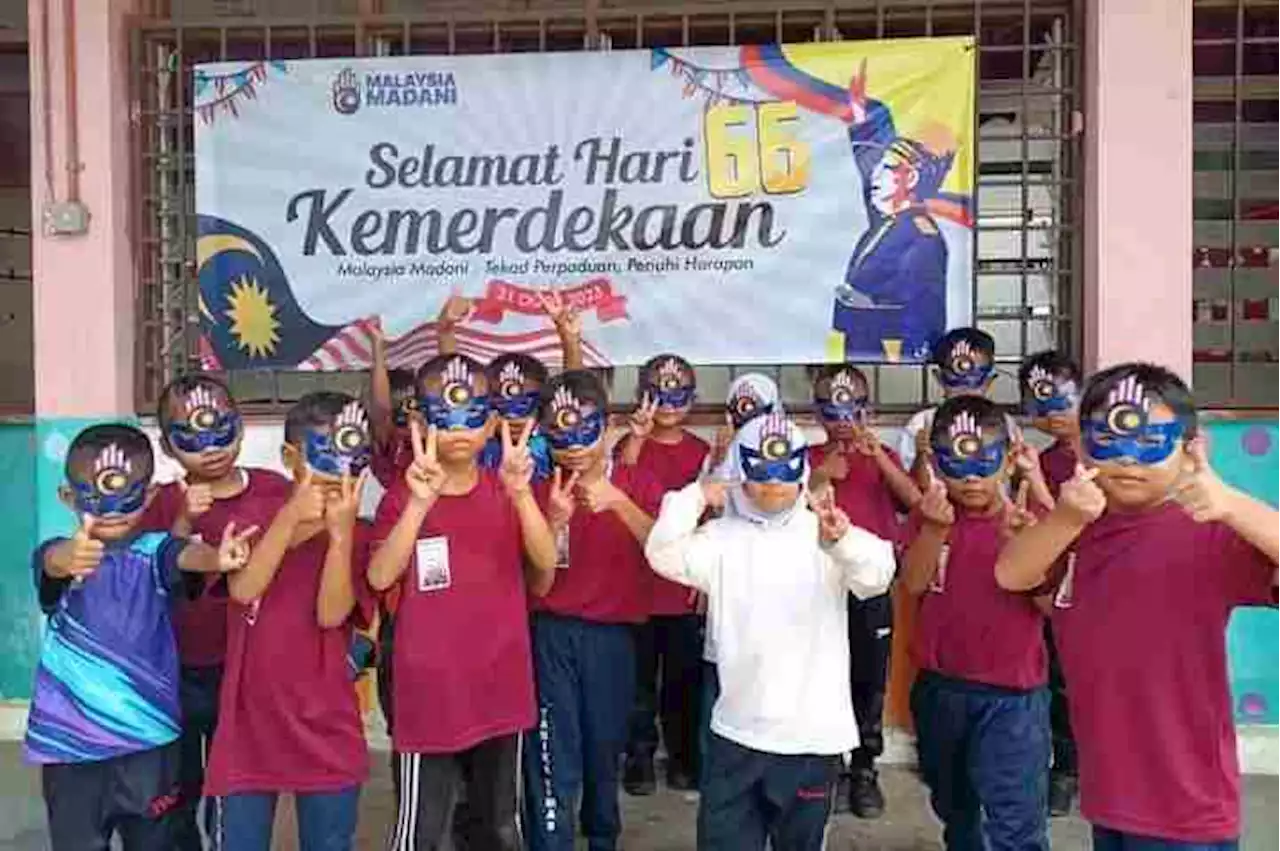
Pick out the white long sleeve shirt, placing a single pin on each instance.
(777, 612)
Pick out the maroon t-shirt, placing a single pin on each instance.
(289, 719)
(201, 623)
(864, 494)
(968, 627)
(672, 466)
(391, 458)
(607, 577)
(1139, 621)
(1058, 464)
(462, 662)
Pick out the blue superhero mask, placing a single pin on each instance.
(458, 405)
(671, 385)
(775, 460)
(964, 454)
(1125, 430)
(573, 425)
(845, 402)
(964, 369)
(1046, 396)
(113, 488)
(344, 449)
(515, 399)
(208, 423)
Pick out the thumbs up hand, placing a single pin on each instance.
(78, 557)
(1199, 490)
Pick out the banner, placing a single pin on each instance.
(736, 205)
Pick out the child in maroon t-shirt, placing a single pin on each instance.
(455, 540)
(980, 702)
(671, 639)
(872, 488)
(1050, 384)
(201, 429)
(584, 660)
(1149, 551)
(289, 720)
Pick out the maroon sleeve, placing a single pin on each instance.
(163, 510)
(362, 616)
(390, 507)
(1248, 577)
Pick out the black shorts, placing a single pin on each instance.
(134, 795)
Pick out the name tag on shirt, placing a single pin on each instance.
(562, 549)
(433, 564)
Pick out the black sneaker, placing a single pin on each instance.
(680, 780)
(865, 798)
(1062, 793)
(637, 775)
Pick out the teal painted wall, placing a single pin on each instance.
(19, 618)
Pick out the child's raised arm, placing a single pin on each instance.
(924, 553)
(677, 548)
(337, 596)
(1027, 558)
(865, 561)
(535, 534)
(231, 554)
(568, 323)
(424, 478)
(249, 584)
(1207, 498)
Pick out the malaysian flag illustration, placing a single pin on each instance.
(251, 319)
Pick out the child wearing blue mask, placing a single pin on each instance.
(1146, 554)
(776, 572)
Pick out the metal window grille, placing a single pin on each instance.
(1027, 245)
(1235, 47)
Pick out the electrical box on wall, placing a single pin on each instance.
(66, 218)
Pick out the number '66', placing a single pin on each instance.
(752, 148)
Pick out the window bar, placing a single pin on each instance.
(1233, 229)
(1024, 148)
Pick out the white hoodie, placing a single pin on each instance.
(777, 609)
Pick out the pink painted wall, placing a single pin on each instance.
(84, 314)
(1138, 238)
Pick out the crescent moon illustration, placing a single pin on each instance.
(209, 247)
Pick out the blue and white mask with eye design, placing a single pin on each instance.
(515, 399)
(209, 423)
(846, 399)
(670, 385)
(571, 424)
(777, 455)
(1047, 395)
(1124, 433)
(750, 396)
(965, 454)
(965, 368)
(459, 404)
(113, 488)
(346, 449)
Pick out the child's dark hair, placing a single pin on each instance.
(180, 387)
(534, 370)
(822, 376)
(980, 341)
(985, 413)
(1055, 363)
(402, 380)
(435, 367)
(1159, 383)
(582, 383)
(314, 409)
(89, 443)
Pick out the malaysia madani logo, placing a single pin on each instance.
(844, 389)
(965, 438)
(457, 391)
(566, 410)
(1041, 384)
(511, 381)
(111, 470)
(670, 375)
(1128, 407)
(775, 438)
(346, 92)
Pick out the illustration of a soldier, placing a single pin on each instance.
(893, 301)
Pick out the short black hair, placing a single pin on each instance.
(582, 383)
(1055, 363)
(822, 376)
(314, 409)
(534, 370)
(985, 413)
(180, 387)
(980, 341)
(402, 380)
(88, 443)
(1159, 383)
(435, 367)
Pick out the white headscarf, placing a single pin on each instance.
(753, 435)
(764, 391)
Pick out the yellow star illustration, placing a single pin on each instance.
(253, 317)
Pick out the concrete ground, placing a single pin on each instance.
(664, 822)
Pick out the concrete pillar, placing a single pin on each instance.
(1138, 236)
